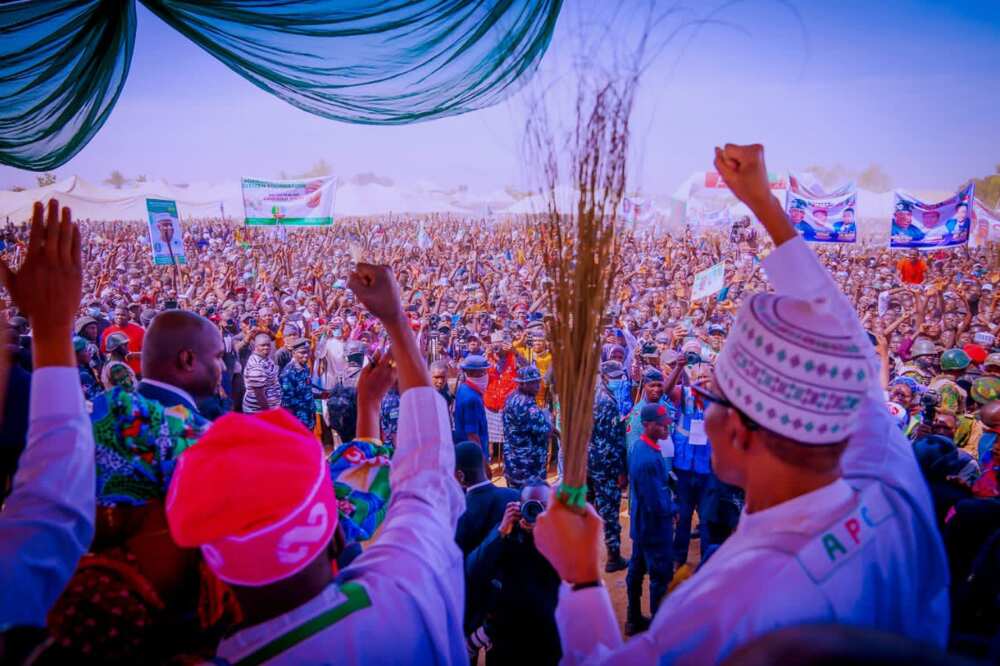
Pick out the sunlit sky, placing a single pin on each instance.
(910, 85)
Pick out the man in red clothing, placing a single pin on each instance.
(913, 268)
(135, 334)
(503, 375)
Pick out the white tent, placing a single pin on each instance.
(104, 203)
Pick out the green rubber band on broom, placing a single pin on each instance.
(573, 496)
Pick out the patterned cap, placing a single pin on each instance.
(793, 367)
(255, 494)
(528, 374)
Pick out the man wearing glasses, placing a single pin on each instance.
(838, 526)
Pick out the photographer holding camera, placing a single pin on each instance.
(515, 587)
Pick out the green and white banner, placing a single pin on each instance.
(303, 203)
(166, 238)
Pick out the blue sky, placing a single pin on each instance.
(909, 85)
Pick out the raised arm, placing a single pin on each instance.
(417, 546)
(48, 520)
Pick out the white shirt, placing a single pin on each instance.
(336, 362)
(412, 573)
(47, 522)
(803, 560)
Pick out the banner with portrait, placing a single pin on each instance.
(708, 214)
(985, 225)
(708, 282)
(166, 238)
(916, 224)
(307, 202)
(820, 216)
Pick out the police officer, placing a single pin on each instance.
(606, 463)
(526, 430)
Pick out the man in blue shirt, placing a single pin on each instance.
(692, 463)
(650, 509)
(470, 412)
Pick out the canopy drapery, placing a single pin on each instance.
(63, 63)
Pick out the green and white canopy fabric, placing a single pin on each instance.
(63, 63)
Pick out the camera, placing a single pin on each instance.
(929, 402)
(530, 510)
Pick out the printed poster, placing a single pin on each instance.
(165, 233)
(985, 225)
(822, 217)
(307, 202)
(916, 224)
(635, 210)
(707, 214)
(708, 281)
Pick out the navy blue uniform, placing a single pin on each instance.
(651, 515)
(605, 463)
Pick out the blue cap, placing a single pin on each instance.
(654, 375)
(475, 362)
(655, 413)
(528, 374)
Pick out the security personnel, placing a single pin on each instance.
(606, 463)
(526, 431)
(650, 509)
(923, 357)
(953, 365)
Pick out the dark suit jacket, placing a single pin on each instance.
(484, 509)
(166, 397)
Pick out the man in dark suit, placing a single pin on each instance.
(181, 360)
(512, 590)
(484, 502)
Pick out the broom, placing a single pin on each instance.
(580, 253)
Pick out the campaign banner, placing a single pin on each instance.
(916, 224)
(708, 282)
(707, 214)
(985, 225)
(166, 238)
(636, 210)
(307, 202)
(822, 217)
(714, 181)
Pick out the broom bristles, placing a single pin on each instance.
(581, 256)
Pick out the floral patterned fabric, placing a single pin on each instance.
(137, 443)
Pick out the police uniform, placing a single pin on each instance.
(863, 550)
(606, 463)
(526, 428)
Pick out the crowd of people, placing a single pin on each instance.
(245, 456)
